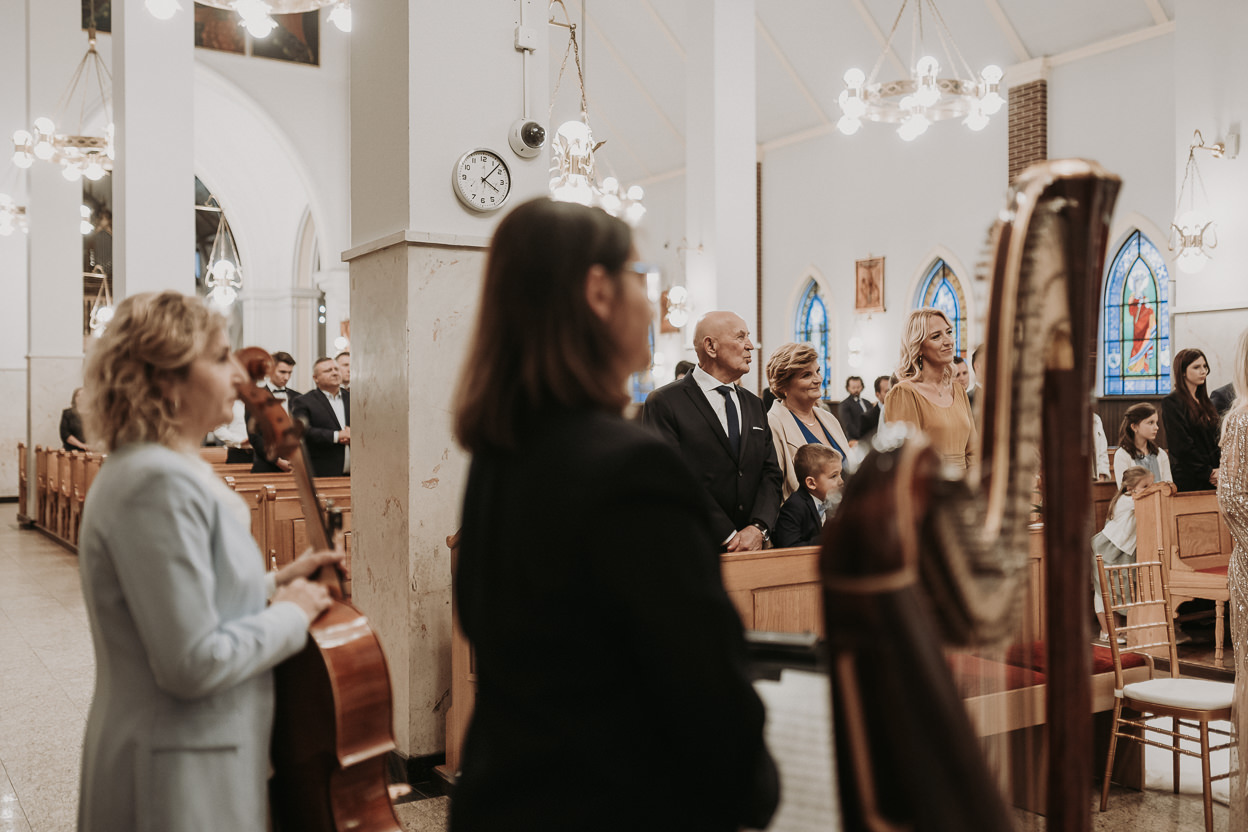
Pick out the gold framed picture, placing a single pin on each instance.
(869, 285)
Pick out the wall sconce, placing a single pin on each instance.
(1193, 233)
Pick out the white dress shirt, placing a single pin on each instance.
(707, 383)
(340, 411)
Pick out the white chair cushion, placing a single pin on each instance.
(1201, 694)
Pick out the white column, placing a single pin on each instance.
(154, 179)
(55, 44)
(721, 203)
(416, 265)
(12, 248)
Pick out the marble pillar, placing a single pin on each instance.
(419, 99)
(154, 177)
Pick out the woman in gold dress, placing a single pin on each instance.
(1233, 501)
(925, 395)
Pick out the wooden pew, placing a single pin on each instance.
(65, 497)
(78, 495)
(286, 533)
(214, 455)
(39, 516)
(1188, 531)
(23, 480)
(1102, 493)
(51, 500)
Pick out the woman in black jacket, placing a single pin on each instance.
(71, 425)
(588, 579)
(1191, 425)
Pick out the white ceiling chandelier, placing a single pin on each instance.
(78, 155)
(925, 96)
(257, 15)
(224, 277)
(572, 174)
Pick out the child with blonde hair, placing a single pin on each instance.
(1116, 542)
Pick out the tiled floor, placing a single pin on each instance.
(46, 677)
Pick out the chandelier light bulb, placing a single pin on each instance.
(6, 226)
(44, 125)
(1191, 259)
(575, 188)
(223, 271)
(975, 119)
(44, 149)
(22, 138)
(340, 16)
(848, 126)
(94, 170)
(611, 185)
(854, 77)
(636, 193)
(104, 314)
(677, 295)
(610, 203)
(163, 9)
(23, 159)
(72, 173)
(634, 212)
(677, 317)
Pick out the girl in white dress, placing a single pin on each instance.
(1116, 542)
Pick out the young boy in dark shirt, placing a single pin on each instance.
(818, 470)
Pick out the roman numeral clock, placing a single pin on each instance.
(481, 180)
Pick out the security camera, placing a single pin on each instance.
(526, 138)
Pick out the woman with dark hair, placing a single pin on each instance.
(1192, 424)
(1137, 444)
(72, 434)
(608, 651)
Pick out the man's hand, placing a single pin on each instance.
(749, 539)
(344, 436)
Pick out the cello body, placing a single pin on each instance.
(333, 731)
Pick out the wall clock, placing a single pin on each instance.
(481, 180)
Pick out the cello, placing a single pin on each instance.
(916, 560)
(333, 725)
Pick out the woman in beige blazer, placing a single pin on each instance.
(796, 418)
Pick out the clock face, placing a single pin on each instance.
(482, 180)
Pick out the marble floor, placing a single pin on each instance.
(46, 678)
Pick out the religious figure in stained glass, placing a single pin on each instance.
(942, 289)
(1136, 333)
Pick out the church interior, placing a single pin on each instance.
(735, 136)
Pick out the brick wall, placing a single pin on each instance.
(1029, 125)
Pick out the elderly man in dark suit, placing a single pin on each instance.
(722, 433)
(327, 413)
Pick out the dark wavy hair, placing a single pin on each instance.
(1199, 409)
(1135, 414)
(537, 342)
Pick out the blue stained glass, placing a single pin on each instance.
(643, 382)
(942, 289)
(811, 327)
(1136, 333)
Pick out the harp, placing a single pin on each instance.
(916, 560)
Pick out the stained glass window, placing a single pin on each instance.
(812, 328)
(1136, 329)
(942, 289)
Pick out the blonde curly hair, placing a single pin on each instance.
(150, 342)
(786, 362)
(913, 334)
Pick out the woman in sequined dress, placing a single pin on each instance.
(1233, 501)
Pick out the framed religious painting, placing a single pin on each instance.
(869, 285)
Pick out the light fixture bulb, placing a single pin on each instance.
(23, 159)
(44, 150)
(677, 317)
(611, 185)
(611, 204)
(636, 193)
(677, 294)
(163, 9)
(848, 126)
(72, 173)
(634, 212)
(94, 170)
(575, 135)
(854, 77)
(43, 124)
(976, 120)
(86, 227)
(992, 74)
(340, 16)
(21, 138)
(104, 314)
(927, 65)
(575, 189)
(1191, 260)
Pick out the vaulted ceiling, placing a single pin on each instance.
(634, 57)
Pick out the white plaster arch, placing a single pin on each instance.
(263, 185)
(966, 277)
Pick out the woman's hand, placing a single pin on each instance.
(307, 565)
(312, 598)
(1213, 477)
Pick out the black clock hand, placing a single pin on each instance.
(491, 173)
(491, 184)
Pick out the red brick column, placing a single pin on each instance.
(1029, 125)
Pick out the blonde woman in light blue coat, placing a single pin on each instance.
(186, 625)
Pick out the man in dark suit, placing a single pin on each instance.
(855, 412)
(327, 413)
(283, 366)
(722, 434)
